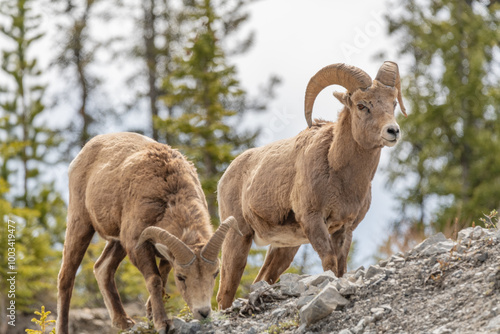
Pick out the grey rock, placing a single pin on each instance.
(481, 257)
(378, 312)
(438, 248)
(278, 312)
(383, 263)
(442, 330)
(289, 278)
(252, 330)
(321, 305)
(436, 238)
(259, 285)
(359, 274)
(494, 324)
(316, 280)
(396, 259)
(238, 303)
(303, 300)
(183, 327)
(345, 287)
(374, 271)
(345, 331)
(322, 285)
(292, 288)
(465, 233)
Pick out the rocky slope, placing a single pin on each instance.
(440, 286)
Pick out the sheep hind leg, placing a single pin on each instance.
(78, 236)
(104, 271)
(235, 251)
(165, 268)
(144, 259)
(277, 261)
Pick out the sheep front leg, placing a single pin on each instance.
(342, 243)
(144, 259)
(317, 233)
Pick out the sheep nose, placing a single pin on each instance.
(204, 312)
(393, 130)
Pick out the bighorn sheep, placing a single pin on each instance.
(145, 199)
(312, 188)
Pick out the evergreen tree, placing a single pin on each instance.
(27, 145)
(447, 168)
(206, 97)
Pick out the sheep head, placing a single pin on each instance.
(370, 103)
(195, 269)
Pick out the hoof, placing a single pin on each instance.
(124, 323)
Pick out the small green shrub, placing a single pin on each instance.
(43, 323)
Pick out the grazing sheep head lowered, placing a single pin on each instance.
(195, 269)
(146, 200)
(315, 187)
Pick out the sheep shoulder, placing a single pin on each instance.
(131, 177)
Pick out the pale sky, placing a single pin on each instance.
(294, 39)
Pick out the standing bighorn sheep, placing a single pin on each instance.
(312, 188)
(145, 199)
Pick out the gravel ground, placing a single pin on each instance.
(440, 286)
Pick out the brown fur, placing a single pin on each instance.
(120, 184)
(314, 187)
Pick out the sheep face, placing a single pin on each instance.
(196, 284)
(372, 115)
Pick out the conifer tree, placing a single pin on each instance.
(447, 167)
(207, 98)
(27, 145)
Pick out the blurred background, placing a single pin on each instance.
(216, 77)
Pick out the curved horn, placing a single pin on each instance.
(388, 74)
(181, 252)
(211, 250)
(350, 77)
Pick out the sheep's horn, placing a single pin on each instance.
(350, 77)
(183, 255)
(211, 250)
(388, 74)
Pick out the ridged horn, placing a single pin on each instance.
(388, 74)
(350, 77)
(211, 250)
(183, 255)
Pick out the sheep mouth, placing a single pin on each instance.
(390, 142)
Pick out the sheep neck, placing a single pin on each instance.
(348, 159)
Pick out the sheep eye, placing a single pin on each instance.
(363, 107)
(181, 278)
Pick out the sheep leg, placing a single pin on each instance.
(78, 236)
(277, 261)
(165, 268)
(104, 271)
(144, 259)
(322, 243)
(342, 243)
(235, 251)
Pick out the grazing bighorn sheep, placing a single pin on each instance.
(145, 199)
(312, 188)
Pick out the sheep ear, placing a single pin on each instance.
(344, 98)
